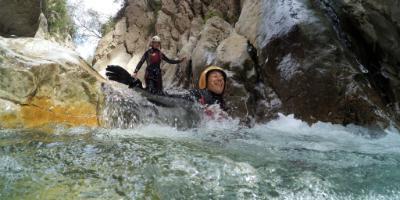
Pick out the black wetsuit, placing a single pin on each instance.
(207, 97)
(153, 77)
(204, 97)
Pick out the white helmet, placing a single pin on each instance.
(156, 39)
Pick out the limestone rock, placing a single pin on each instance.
(214, 32)
(19, 18)
(128, 39)
(43, 85)
(42, 31)
(249, 20)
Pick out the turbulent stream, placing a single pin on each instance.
(283, 159)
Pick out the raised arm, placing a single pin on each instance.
(170, 61)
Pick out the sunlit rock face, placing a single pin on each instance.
(44, 85)
(19, 18)
(334, 61)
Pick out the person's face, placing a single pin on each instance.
(215, 82)
(156, 45)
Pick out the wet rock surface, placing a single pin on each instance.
(370, 30)
(45, 85)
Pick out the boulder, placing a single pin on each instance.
(214, 32)
(19, 18)
(311, 71)
(43, 85)
(370, 30)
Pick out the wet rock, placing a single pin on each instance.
(311, 71)
(370, 30)
(43, 85)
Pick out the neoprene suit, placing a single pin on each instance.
(153, 77)
(203, 96)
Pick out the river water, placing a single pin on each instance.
(283, 159)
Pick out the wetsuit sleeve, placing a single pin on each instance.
(170, 61)
(144, 58)
(193, 95)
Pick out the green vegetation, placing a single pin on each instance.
(210, 14)
(232, 19)
(59, 22)
(108, 26)
(112, 21)
(2, 53)
(155, 5)
(151, 29)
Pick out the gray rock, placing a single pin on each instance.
(19, 18)
(44, 85)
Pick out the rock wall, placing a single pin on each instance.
(334, 61)
(370, 30)
(19, 18)
(44, 85)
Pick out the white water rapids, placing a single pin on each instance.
(283, 159)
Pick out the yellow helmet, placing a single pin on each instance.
(204, 74)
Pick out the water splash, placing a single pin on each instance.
(127, 108)
(283, 159)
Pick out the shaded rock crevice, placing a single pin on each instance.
(371, 36)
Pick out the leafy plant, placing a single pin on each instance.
(156, 6)
(59, 22)
(108, 26)
(210, 14)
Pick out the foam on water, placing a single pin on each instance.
(283, 159)
(283, 131)
(327, 136)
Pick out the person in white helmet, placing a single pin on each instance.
(153, 58)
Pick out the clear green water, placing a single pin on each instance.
(284, 159)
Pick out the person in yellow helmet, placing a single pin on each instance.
(212, 83)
